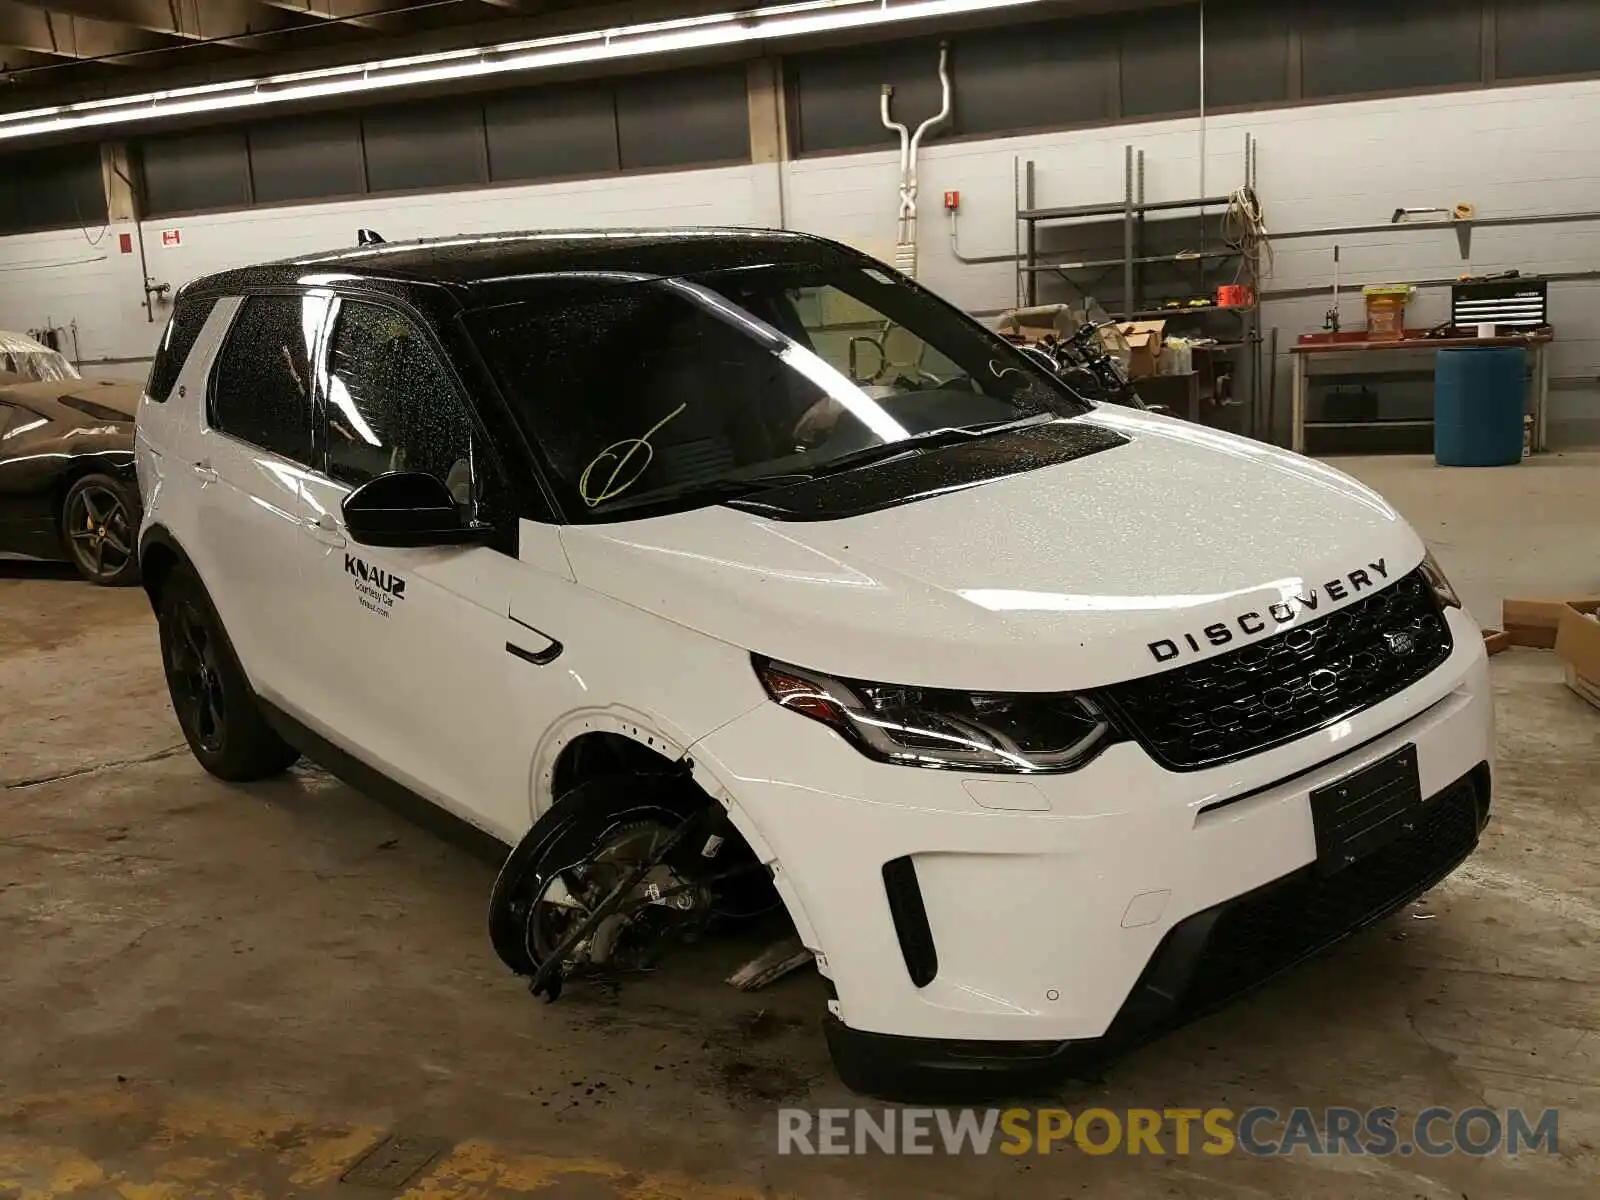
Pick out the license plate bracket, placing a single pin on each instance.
(1366, 810)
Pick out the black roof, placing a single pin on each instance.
(467, 262)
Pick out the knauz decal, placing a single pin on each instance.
(1251, 624)
(376, 589)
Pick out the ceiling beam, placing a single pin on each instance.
(65, 36)
(187, 20)
(12, 59)
(385, 15)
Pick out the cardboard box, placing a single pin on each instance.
(1145, 342)
(1037, 323)
(1496, 640)
(1030, 334)
(1534, 622)
(1578, 647)
(1588, 689)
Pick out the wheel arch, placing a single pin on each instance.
(635, 740)
(159, 554)
(598, 741)
(617, 739)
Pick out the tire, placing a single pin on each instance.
(100, 529)
(569, 831)
(216, 708)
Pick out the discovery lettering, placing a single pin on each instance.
(1253, 623)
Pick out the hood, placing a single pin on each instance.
(82, 396)
(1182, 543)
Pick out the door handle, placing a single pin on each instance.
(539, 658)
(203, 471)
(325, 529)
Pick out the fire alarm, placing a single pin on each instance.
(952, 201)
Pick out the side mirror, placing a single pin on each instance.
(407, 508)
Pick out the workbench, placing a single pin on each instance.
(1536, 344)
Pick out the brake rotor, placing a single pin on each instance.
(626, 937)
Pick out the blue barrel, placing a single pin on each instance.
(1477, 406)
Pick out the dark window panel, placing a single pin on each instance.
(392, 405)
(1035, 77)
(552, 132)
(838, 93)
(1161, 62)
(1359, 46)
(52, 189)
(306, 158)
(1247, 54)
(1546, 37)
(262, 395)
(193, 171)
(683, 118)
(430, 145)
(183, 331)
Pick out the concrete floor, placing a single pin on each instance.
(236, 991)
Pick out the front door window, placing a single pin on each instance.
(391, 405)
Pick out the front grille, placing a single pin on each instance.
(1274, 928)
(1287, 685)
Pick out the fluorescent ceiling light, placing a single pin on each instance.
(602, 45)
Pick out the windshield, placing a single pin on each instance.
(647, 392)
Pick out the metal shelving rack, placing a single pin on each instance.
(1137, 215)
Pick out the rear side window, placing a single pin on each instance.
(188, 319)
(261, 393)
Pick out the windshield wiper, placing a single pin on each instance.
(932, 439)
(720, 491)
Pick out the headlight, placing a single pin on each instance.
(1442, 590)
(932, 727)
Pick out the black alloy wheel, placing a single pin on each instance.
(221, 718)
(195, 678)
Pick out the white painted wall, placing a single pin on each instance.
(1509, 151)
(56, 278)
(60, 277)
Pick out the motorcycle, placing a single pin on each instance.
(1084, 359)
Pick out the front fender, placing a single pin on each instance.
(716, 779)
(624, 672)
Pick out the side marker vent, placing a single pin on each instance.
(910, 920)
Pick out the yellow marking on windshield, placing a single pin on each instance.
(615, 483)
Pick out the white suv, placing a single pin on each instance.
(701, 566)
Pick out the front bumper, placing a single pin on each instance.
(1203, 961)
(1048, 898)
